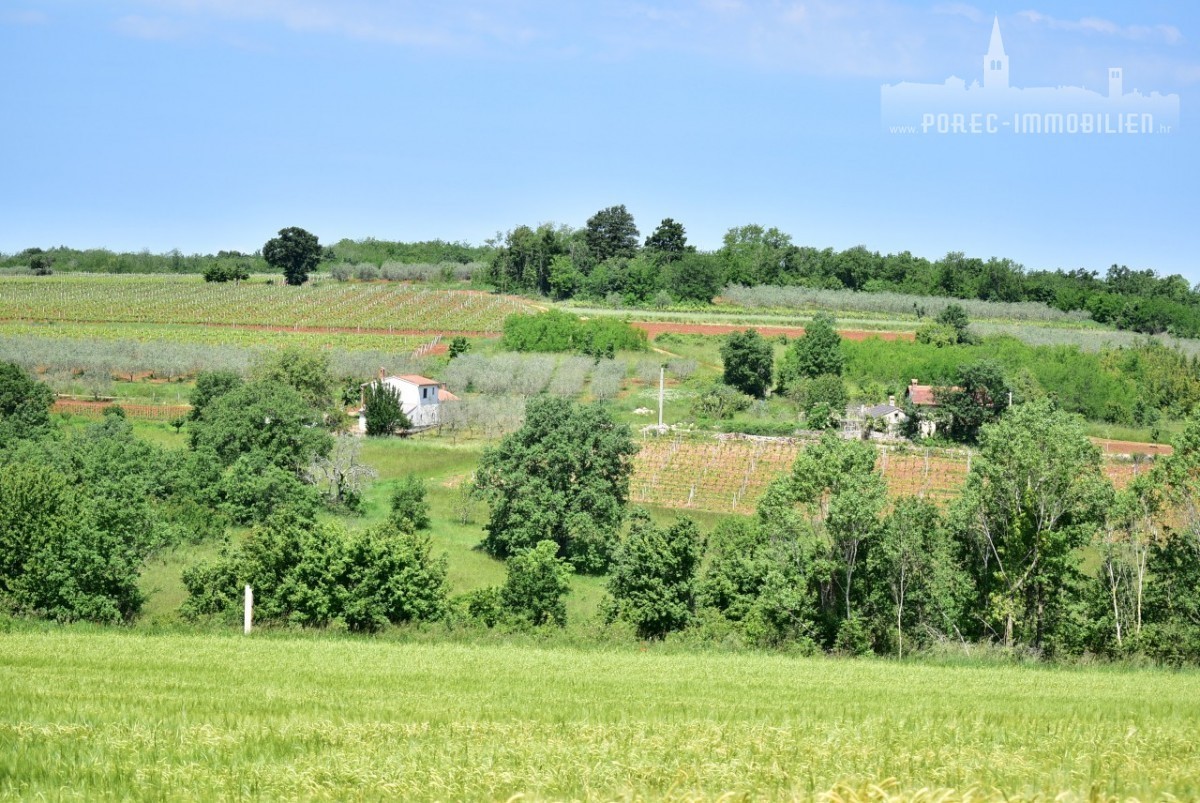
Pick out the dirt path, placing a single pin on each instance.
(1131, 447)
(656, 328)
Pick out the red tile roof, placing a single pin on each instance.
(415, 379)
(922, 395)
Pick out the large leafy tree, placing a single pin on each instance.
(209, 386)
(734, 568)
(668, 243)
(295, 251)
(564, 477)
(653, 582)
(1171, 606)
(915, 579)
(817, 353)
(835, 483)
(1035, 494)
(1134, 526)
(693, 277)
(24, 405)
(611, 232)
(980, 397)
(754, 255)
(57, 558)
(748, 362)
(307, 371)
(265, 417)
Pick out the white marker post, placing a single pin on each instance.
(662, 373)
(249, 616)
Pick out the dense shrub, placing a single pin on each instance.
(536, 585)
(747, 363)
(311, 573)
(57, 558)
(653, 580)
(24, 405)
(555, 330)
(382, 409)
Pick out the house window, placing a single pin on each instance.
(424, 393)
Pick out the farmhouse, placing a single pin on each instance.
(888, 415)
(923, 399)
(420, 398)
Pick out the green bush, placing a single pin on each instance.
(24, 405)
(391, 576)
(718, 400)
(747, 360)
(410, 509)
(653, 581)
(57, 559)
(382, 409)
(537, 583)
(312, 573)
(557, 331)
(769, 429)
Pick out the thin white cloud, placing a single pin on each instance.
(1097, 25)
(891, 40)
(960, 10)
(154, 29)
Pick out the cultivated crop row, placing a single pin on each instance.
(95, 410)
(352, 306)
(731, 475)
(159, 334)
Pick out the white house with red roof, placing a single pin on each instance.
(420, 398)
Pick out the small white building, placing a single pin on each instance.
(890, 417)
(420, 398)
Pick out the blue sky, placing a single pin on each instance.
(211, 124)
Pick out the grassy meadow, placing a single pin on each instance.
(94, 715)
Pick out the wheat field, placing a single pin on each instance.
(103, 714)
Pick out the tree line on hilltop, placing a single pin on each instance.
(607, 259)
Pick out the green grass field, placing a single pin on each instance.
(94, 715)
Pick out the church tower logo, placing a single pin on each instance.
(996, 107)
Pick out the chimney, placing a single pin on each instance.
(892, 401)
(382, 373)
(913, 382)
